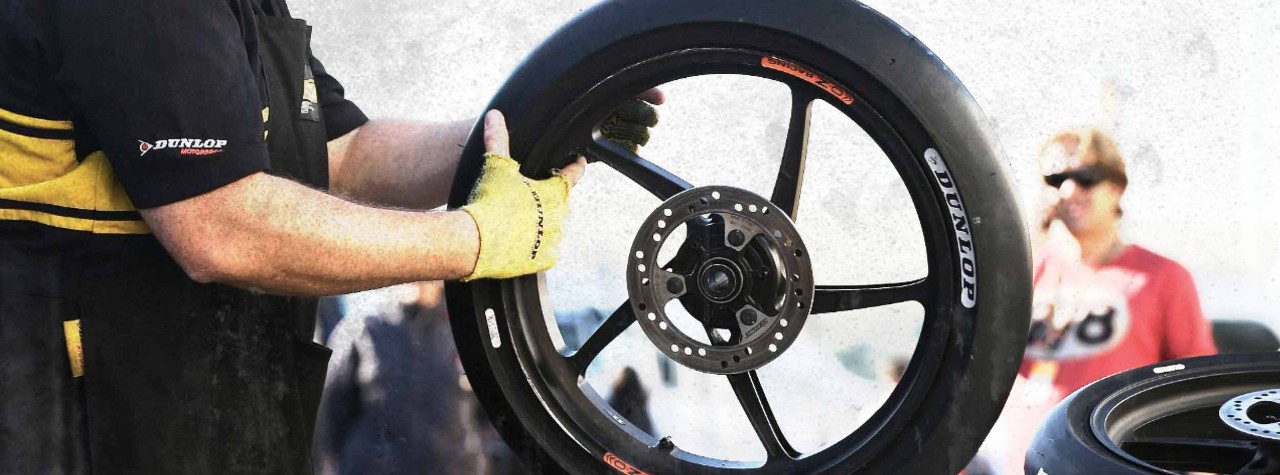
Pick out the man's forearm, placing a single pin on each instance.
(397, 163)
(280, 237)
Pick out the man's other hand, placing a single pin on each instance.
(628, 124)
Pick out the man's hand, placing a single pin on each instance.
(1048, 205)
(518, 218)
(629, 124)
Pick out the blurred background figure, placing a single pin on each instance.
(328, 313)
(396, 400)
(896, 368)
(629, 397)
(1100, 305)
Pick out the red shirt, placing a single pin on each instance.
(1140, 308)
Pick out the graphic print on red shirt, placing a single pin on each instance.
(1140, 308)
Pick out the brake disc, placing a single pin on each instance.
(1255, 414)
(743, 272)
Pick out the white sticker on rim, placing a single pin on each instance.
(491, 318)
(960, 222)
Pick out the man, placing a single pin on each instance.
(161, 168)
(1100, 305)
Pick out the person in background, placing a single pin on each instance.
(396, 400)
(1101, 305)
(628, 396)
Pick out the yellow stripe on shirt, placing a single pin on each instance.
(34, 122)
(29, 160)
(90, 186)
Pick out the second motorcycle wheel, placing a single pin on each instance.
(740, 267)
(1211, 414)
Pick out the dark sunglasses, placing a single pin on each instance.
(1085, 178)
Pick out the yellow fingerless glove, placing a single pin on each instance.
(518, 219)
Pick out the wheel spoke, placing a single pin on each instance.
(751, 396)
(608, 331)
(1196, 454)
(1265, 461)
(837, 298)
(658, 181)
(786, 190)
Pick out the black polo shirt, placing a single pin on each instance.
(172, 91)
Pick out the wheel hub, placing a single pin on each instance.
(742, 272)
(720, 280)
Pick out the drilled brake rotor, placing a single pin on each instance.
(742, 272)
(1256, 414)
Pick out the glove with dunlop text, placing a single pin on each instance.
(518, 219)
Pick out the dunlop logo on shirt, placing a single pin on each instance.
(75, 350)
(183, 146)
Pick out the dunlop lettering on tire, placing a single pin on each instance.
(960, 219)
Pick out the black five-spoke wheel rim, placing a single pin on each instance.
(557, 378)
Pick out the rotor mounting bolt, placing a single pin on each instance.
(675, 285)
(748, 317)
(736, 238)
